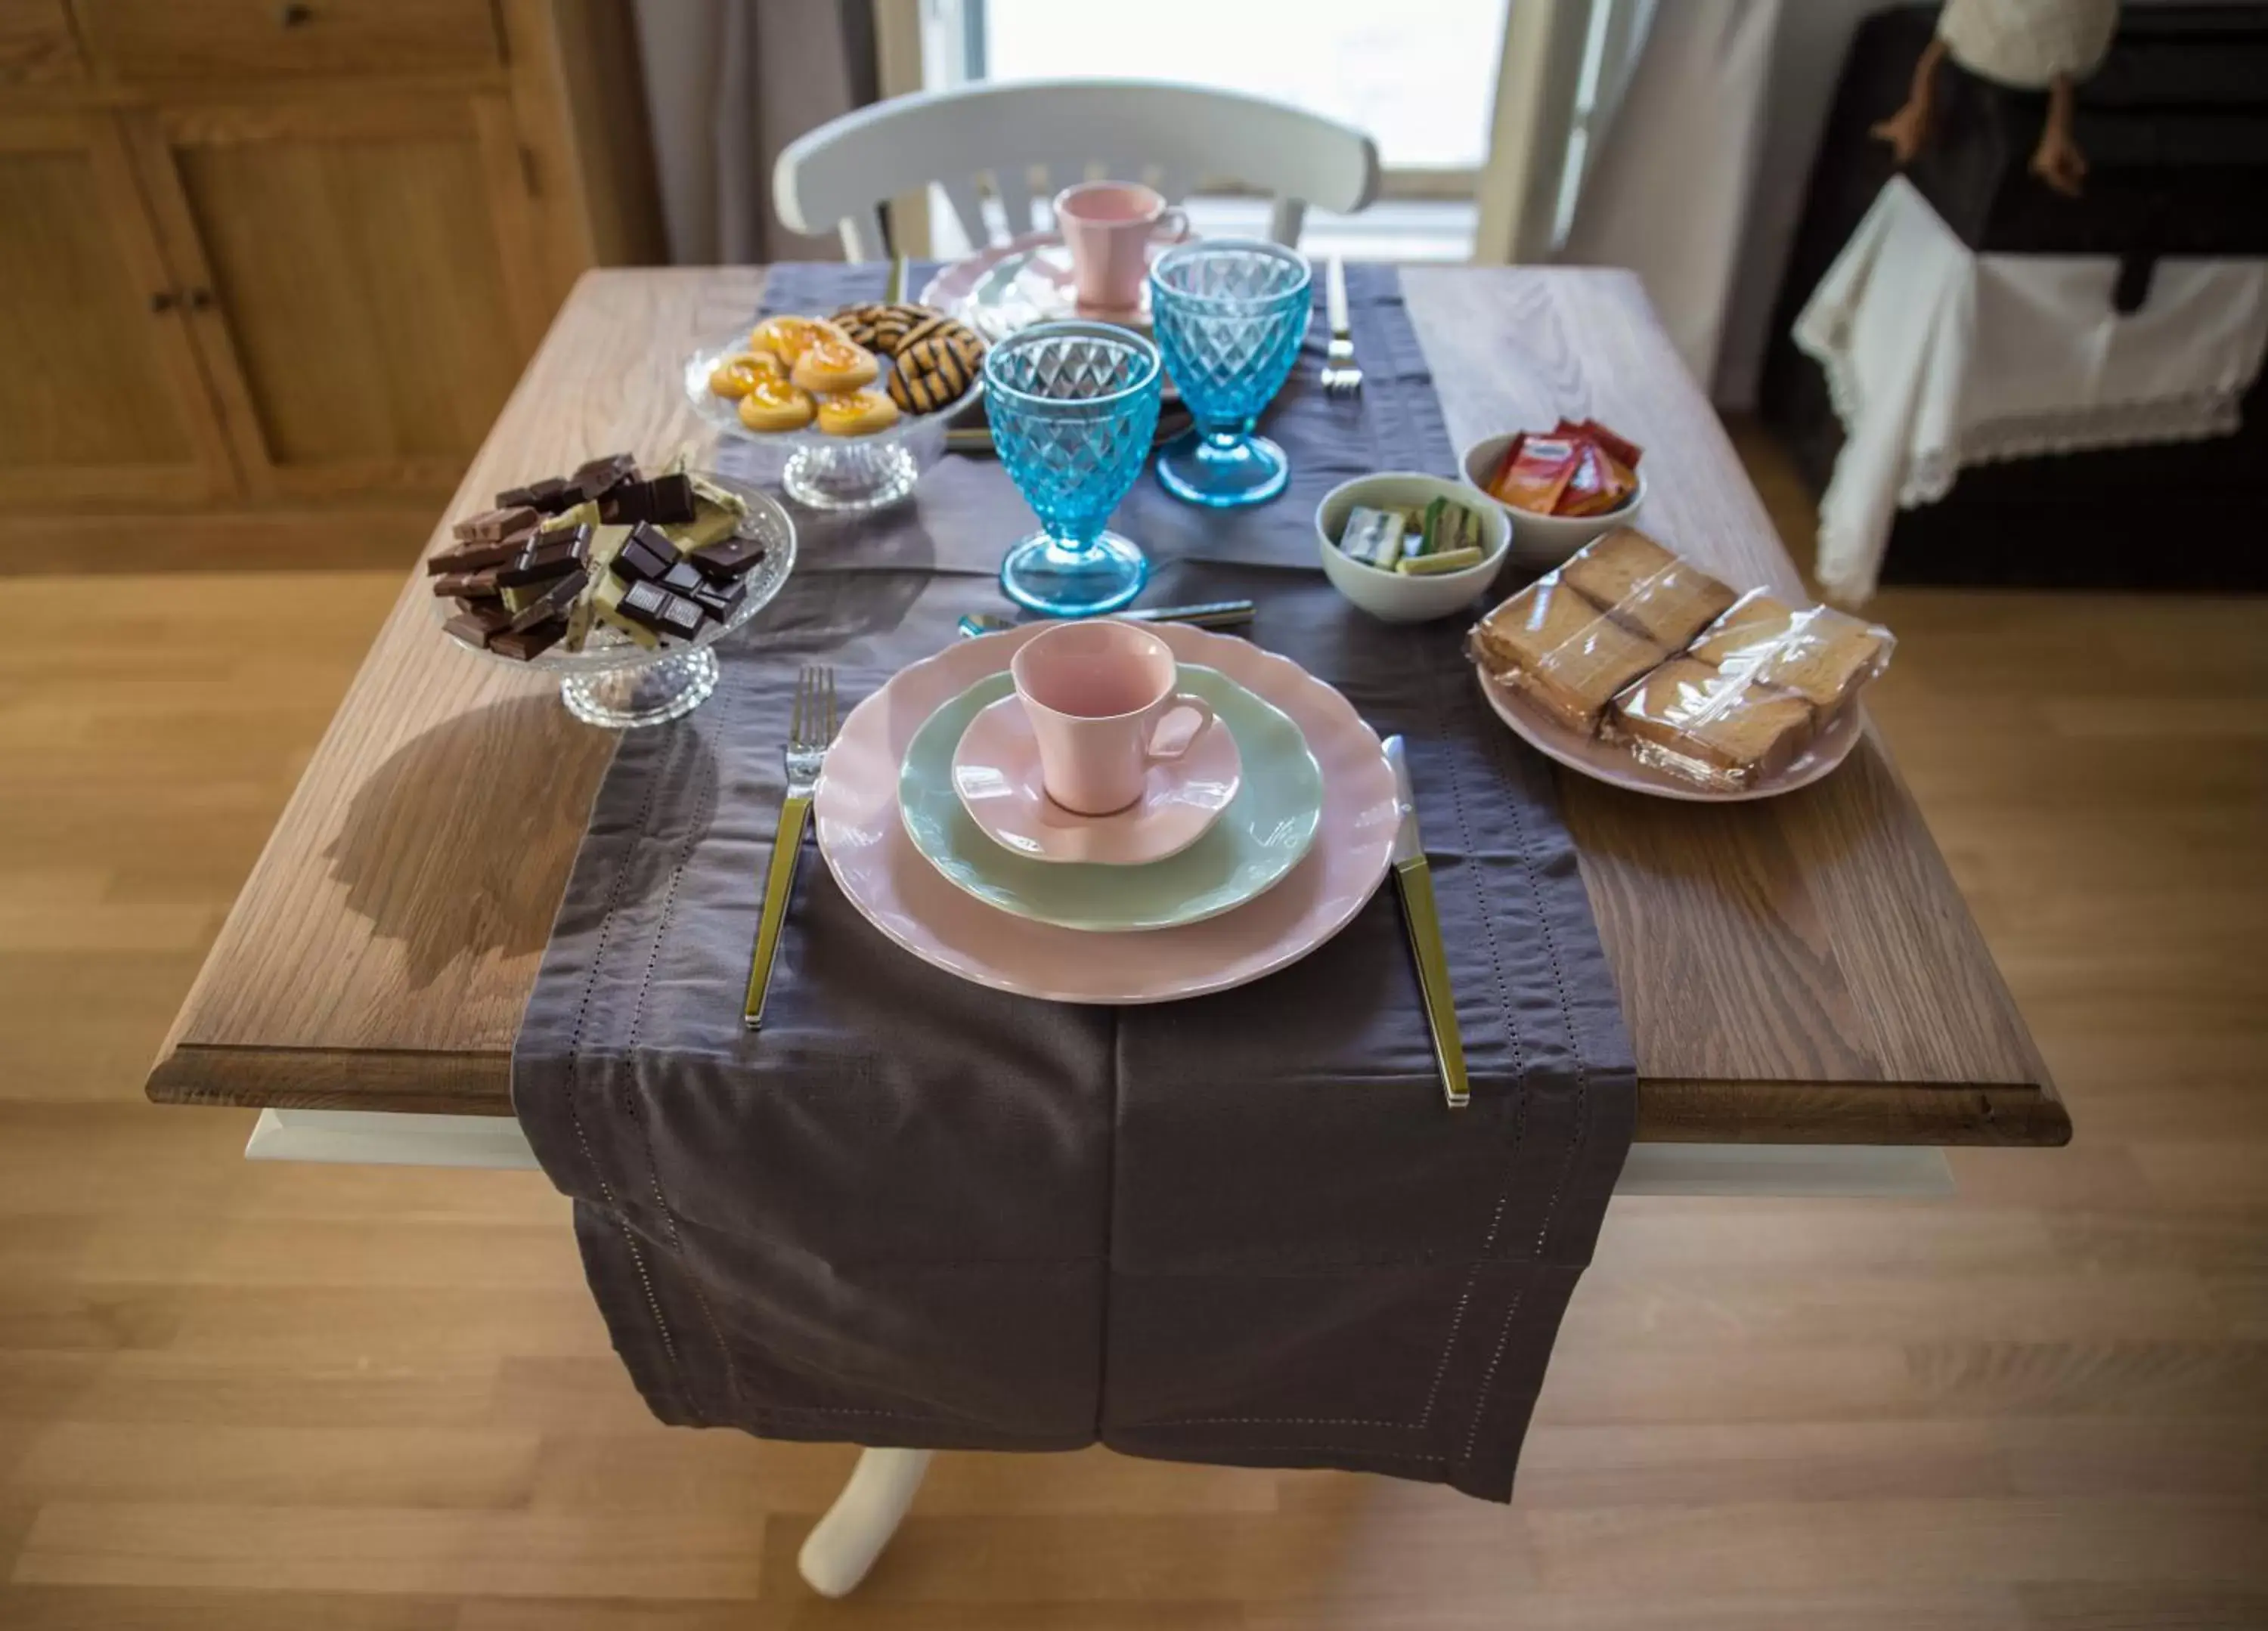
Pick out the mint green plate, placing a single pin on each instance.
(1259, 838)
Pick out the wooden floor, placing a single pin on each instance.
(243, 1396)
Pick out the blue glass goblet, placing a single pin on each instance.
(1230, 314)
(1073, 408)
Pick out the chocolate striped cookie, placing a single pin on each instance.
(880, 326)
(933, 372)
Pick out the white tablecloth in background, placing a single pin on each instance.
(1938, 357)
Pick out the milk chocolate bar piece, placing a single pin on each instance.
(473, 557)
(472, 631)
(554, 601)
(549, 495)
(467, 585)
(479, 621)
(491, 525)
(665, 499)
(596, 476)
(575, 539)
(732, 559)
(660, 611)
(525, 643)
(645, 554)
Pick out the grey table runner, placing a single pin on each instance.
(913, 1211)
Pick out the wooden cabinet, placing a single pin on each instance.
(260, 258)
(101, 401)
(356, 281)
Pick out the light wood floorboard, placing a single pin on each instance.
(264, 1396)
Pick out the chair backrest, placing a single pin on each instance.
(1031, 139)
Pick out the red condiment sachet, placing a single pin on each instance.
(1580, 467)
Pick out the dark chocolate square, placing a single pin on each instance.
(646, 555)
(553, 602)
(669, 500)
(595, 477)
(682, 578)
(728, 560)
(657, 609)
(719, 599)
(543, 558)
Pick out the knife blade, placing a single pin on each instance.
(1413, 880)
(1207, 615)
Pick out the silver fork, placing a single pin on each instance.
(809, 731)
(1340, 377)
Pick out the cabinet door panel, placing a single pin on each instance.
(100, 400)
(360, 311)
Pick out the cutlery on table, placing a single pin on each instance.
(1340, 376)
(978, 438)
(1206, 614)
(1414, 880)
(809, 731)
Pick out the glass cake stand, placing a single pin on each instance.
(833, 472)
(618, 684)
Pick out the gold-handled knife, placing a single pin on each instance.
(1414, 879)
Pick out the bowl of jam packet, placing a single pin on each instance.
(1561, 487)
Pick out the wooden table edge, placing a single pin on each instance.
(1668, 1110)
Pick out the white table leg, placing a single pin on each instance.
(845, 1544)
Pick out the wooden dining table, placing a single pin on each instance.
(1799, 971)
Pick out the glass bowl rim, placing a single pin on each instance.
(1267, 248)
(1090, 329)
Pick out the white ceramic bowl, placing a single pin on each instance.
(1540, 542)
(1393, 596)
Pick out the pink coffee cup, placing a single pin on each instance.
(1096, 694)
(1108, 226)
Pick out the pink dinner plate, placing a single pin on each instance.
(1005, 287)
(996, 774)
(865, 844)
(1612, 763)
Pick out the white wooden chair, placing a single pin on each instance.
(1031, 139)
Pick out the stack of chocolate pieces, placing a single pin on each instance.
(652, 558)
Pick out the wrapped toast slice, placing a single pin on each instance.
(1645, 587)
(1709, 727)
(1553, 645)
(1818, 653)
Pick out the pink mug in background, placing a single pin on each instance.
(1110, 226)
(1096, 694)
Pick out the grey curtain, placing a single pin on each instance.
(728, 84)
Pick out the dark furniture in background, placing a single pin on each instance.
(2174, 127)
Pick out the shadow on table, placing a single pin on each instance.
(459, 845)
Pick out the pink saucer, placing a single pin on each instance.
(996, 772)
